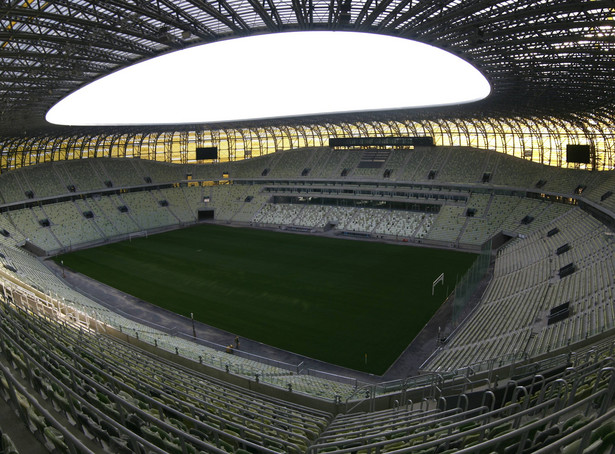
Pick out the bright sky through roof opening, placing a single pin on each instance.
(275, 75)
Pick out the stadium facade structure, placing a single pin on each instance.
(550, 67)
(537, 140)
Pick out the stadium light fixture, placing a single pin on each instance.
(272, 76)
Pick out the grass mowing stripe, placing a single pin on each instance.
(327, 298)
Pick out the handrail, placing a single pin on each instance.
(455, 415)
(553, 418)
(443, 441)
(578, 434)
(74, 444)
(85, 404)
(551, 409)
(369, 395)
(492, 398)
(132, 408)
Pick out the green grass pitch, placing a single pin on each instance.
(331, 299)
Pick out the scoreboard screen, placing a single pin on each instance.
(206, 153)
(381, 141)
(577, 153)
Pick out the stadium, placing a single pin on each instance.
(498, 214)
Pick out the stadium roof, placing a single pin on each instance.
(543, 58)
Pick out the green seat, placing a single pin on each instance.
(393, 446)
(468, 426)
(103, 398)
(602, 431)
(571, 421)
(547, 434)
(120, 446)
(8, 447)
(608, 442)
(499, 430)
(179, 424)
(134, 423)
(37, 422)
(226, 446)
(471, 440)
(60, 402)
(572, 448)
(427, 451)
(163, 434)
(98, 432)
(581, 423)
(583, 392)
(199, 434)
(151, 436)
(594, 448)
(532, 433)
(56, 438)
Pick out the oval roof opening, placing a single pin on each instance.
(274, 76)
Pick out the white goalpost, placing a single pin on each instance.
(439, 279)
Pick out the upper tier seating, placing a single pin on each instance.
(513, 314)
